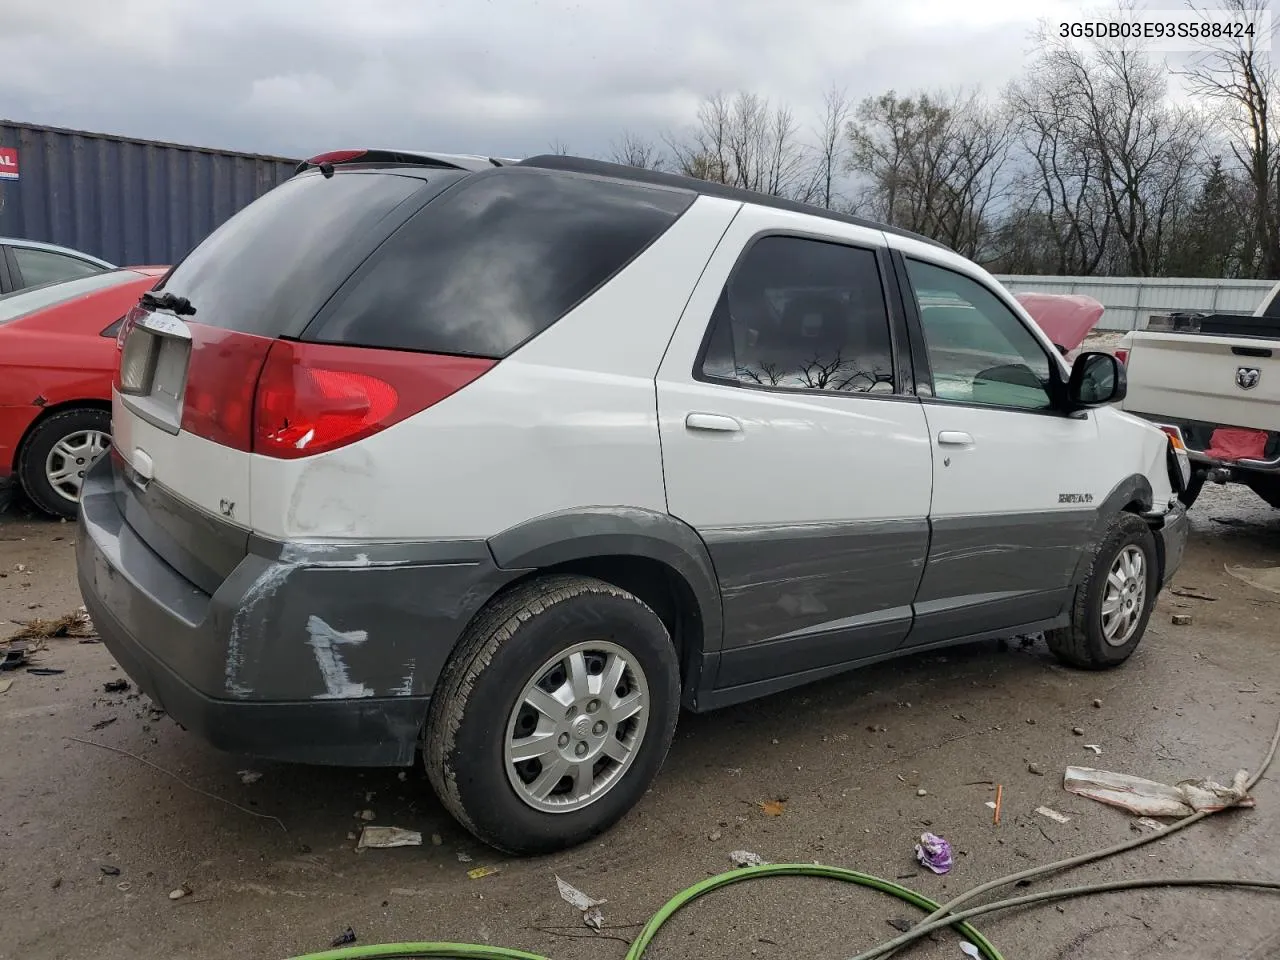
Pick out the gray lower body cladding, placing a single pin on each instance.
(319, 655)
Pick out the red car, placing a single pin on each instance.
(57, 358)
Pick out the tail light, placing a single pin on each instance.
(312, 398)
(1122, 354)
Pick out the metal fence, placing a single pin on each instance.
(129, 201)
(1131, 300)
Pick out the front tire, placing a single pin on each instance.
(1113, 605)
(57, 454)
(554, 714)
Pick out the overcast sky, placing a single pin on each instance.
(496, 77)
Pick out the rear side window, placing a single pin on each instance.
(494, 262)
(804, 315)
(268, 269)
(44, 266)
(23, 302)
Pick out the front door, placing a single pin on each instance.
(791, 446)
(1013, 488)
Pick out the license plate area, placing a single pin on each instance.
(153, 369)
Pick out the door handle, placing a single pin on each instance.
(717, 422)
(955, 438)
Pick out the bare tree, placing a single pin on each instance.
(558, 147)
(744, 141)
(635, 151)
(933, 163)
(832, 149)
(1234, 75)
(1116, 164)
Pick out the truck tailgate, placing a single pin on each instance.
(1228, 380)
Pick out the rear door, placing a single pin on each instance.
(183, 408)
(791, 443)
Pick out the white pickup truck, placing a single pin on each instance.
(1214, 380)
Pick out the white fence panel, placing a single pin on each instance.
(1131, 300)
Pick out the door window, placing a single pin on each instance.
(979, 350)
(41, 266)
(802, 314)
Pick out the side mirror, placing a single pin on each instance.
(1096, 380)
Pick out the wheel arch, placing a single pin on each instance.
(1133, 495)
(50, 410)
(652, 555)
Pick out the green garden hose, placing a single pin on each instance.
(469, 951)
(939, 916)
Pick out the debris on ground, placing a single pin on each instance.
(1097, 704)
(901, 924)
(384, 838)
(1036, 769)
(714, 835)
(365, 815)
(44, 671)
(1151, 799)
(772, 808)
(347, 936)
(464, 857)
(1078, 731)
(922, 792)
(745, 858)
(1053, 815)
(71, 625)
(249, 776)
(480, 872)
(588, 906)
(15, 656)
(1149, 823)
(1182, 619)
(995, 819)
(104, 723)
(1097, 750)
(934, 853)
(116, 686)
(1191, 593)
(109, 871)
(182, 891)
(969, 950)
(5, 685)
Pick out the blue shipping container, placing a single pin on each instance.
(131, 202)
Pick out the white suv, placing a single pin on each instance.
(509, 461)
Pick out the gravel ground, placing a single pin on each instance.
(847, 756)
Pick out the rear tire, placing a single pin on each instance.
(564, 673)
(63, 445)
(1114, 603)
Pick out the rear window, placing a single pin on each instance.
(19, 304)
(269, 268)
(494, 262)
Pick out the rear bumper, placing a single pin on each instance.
(317, 654)
(1173, 535)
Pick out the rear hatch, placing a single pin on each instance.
(191, 354)
(1228, 380)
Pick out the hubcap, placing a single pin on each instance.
(1125, 597)
(576, 727)
(70, 457)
